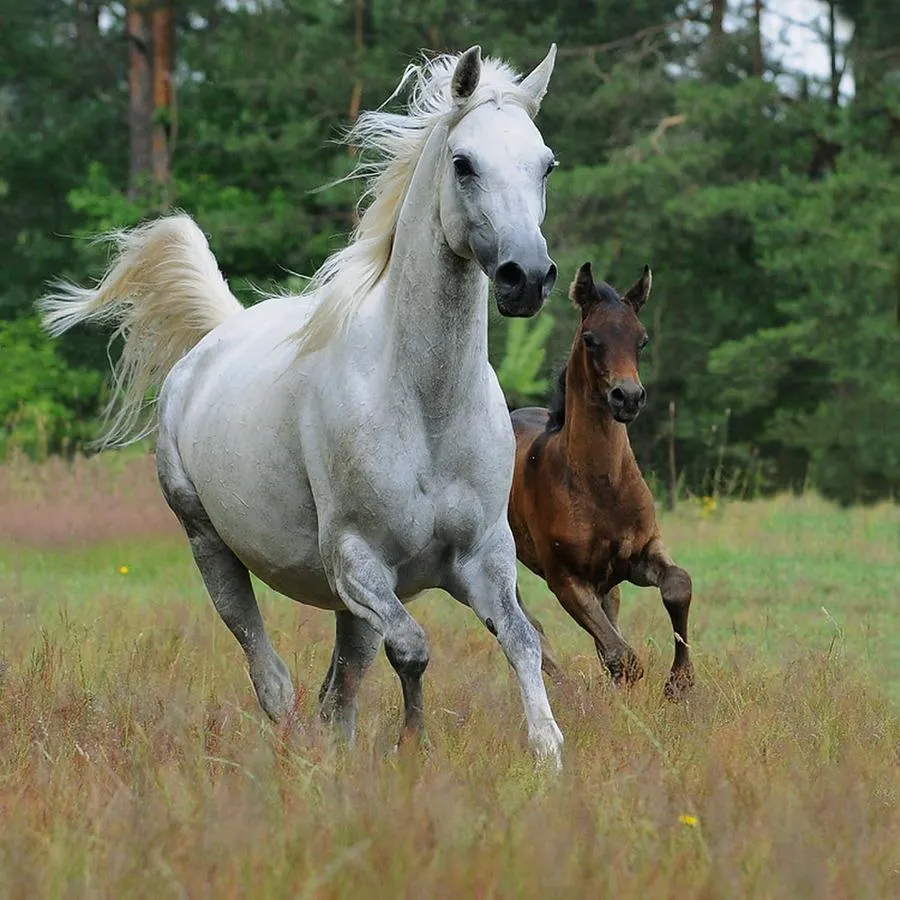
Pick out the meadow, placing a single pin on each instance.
(135, 762)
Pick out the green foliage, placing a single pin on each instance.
(45, 405)
(769, 216)
(523, 360)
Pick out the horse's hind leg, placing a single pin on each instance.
(228, 582)
(548, 658)
(356, 645)
(658, 569)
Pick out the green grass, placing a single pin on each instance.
(134, 760)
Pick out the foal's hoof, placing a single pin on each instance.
(679, 684)
(626, 670)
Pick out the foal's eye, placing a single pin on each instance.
(644, 341)
(462, 165)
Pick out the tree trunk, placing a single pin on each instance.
(360, 13)
(832, 54)
(673, 469)
(717, 19)
(163, 64)
(141, 103)
(759, 63)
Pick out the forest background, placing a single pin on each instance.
(764, 194)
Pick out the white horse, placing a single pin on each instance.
(351, 446)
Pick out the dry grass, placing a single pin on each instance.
(134, 761)
(82, 501)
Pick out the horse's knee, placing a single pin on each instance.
(676, 587)
(406, 647)
(521, 641)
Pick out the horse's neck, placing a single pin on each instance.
(595, 443)
(436, 302)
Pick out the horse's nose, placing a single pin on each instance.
(626, 400)
(522, 289)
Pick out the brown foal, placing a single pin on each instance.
(582, 515)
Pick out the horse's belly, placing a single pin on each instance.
(262, 508)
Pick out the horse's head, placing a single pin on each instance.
(493, 184)
(611, 339)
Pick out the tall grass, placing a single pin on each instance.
(134, 761)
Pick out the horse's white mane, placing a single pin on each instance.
(390, 146)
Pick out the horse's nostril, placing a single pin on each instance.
(550, 278)
(642, 397)
(617, 395)
(510, 274)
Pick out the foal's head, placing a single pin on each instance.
(611, 340)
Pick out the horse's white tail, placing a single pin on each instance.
(164, 292)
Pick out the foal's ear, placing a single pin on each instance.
(466, 75)
(536, 82)
(582, 291)
(636, 296)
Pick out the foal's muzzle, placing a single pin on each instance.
(522, 290)
(626, 399)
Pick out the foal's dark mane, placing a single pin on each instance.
(557, 407)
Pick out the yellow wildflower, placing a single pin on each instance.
(709, 506)
(123, 570)
(690, 821)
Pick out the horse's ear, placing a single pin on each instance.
(582, 291)
(466, 75)
(636, 296)
(535, 83)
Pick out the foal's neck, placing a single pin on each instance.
(595, 442)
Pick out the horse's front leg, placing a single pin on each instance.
(580, 601)
(657, 569)
(367, 588)
(548, 657)
(486, 582)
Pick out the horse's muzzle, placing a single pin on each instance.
(626, 399)
(521, 291)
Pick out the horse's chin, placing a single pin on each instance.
(519, 310)
(625, 418)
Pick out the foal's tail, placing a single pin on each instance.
(163, 292)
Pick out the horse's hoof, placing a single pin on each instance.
(412, 742)
(546, 745)
(679, 684)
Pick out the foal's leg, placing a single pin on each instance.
(487, 584)
(228, 583)
(610, 603)
(548, 659)
(356, 645)
(580, 601)
(657, 568)
(366, 587)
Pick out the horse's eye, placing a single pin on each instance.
(462, 165)
(590, 340)
(550, 167)
(644, 341)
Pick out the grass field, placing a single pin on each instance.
(134, 761)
